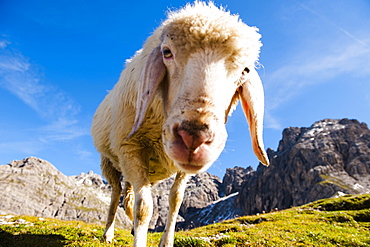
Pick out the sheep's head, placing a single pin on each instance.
(204, 64)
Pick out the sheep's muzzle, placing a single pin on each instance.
(192, 146)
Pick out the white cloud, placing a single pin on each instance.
(23, 79)
(272, 122)
(4, 43)
(340, 61)
(63, 129)
(309, 68)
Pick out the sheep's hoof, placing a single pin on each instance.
(108, 239)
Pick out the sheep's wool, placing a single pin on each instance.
(201, 26)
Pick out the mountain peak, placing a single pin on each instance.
(311, 163)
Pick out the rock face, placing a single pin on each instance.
(35, 187)
(202, 190)
(330, 157)
(220, 210)
(234, 179)
(311, 163)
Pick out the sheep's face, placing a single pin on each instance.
(197, 95)
(201, 77)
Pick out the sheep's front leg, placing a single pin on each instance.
(143, 210)
(134, 164)
(175, 200)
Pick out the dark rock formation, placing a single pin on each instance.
(220, 210)
(311, 163)
(202, 190)
(234, 178)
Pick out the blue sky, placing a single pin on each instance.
(58, 59)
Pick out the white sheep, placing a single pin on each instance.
(167, 113)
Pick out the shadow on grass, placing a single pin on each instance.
(30, 240)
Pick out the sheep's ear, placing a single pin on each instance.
(152, 75)
(252, 99)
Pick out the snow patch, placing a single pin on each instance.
(357, 186)
(323, 128)
(225, 198)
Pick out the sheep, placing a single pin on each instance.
(167, 113)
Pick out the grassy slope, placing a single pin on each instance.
(330, 222)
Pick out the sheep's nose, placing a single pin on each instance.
(193, 141)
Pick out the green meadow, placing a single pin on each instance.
(343, 221)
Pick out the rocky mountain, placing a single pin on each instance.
(330, 157)
(234, 178)
(202, 190)
(35, 187)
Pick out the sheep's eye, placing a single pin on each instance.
(245, 71)
(167, 53)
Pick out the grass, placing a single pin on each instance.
(343, 221)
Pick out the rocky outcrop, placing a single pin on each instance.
(234, 178)
(311, 163)
(217, 211)
(202, 190)
(35, 187)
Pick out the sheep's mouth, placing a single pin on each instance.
(191, 158)
(192, 161)
(193, 145)
(191, 168)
